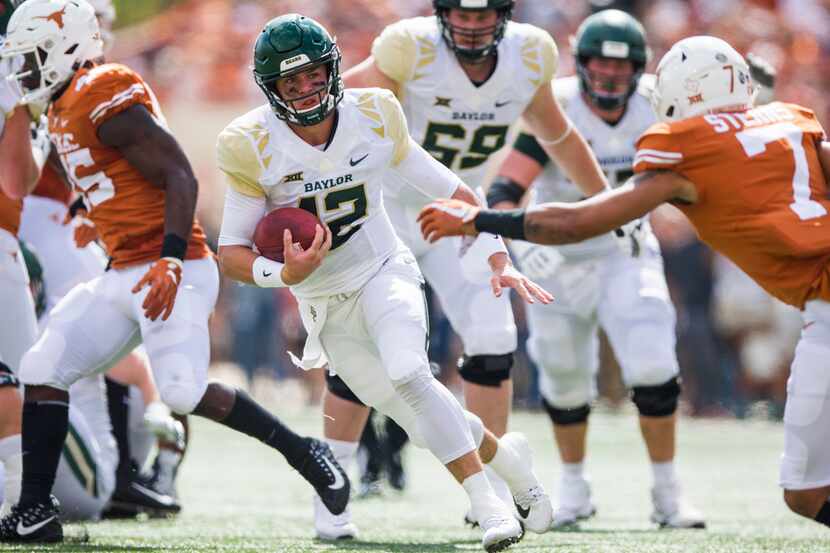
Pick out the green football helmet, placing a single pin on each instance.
(610, 34)
(6, 9)
(288, 45)
(477, 53)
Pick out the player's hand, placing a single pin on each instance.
(505, 275)
(300, 263)
(85, 231)
(164, 278)
(444, 217)
(631, 237)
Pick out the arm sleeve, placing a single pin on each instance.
(237, 157)
(426, 174)
(395, 52)
(240, 218)
(526, 143)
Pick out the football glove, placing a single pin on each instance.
(631, 237)
(163, 277)
(10, 93)
(41, 145)
(536, 262)
(85, 231)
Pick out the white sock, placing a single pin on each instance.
(664, 474)
(573, 471)
(512, 469)
(344, 452)
(12, 458)
(481, 494)
(500, 487)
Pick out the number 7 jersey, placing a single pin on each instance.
(762, 195)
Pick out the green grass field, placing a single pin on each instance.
(240, 496)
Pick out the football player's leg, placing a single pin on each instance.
(179, 352)
(86, 472)
(487, 330)
(86, 333)
(638, 317)
(17, 335)
(395, 313)
(805, 465)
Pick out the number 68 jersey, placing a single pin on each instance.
(459, 123)
(762, 196)
(343, 184)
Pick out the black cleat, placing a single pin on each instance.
(325, 474)
(138, 497)
(37, 523)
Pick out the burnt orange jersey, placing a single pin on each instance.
(10, 211)
(762, 196)
(51, 185)
(128, 210)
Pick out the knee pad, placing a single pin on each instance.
(181, 398)
(485, 370)
(7, 378)
(476, 427)
(657, 401)
(565, 417)
(339, 388)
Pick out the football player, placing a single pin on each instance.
(140, 194)
(333, 152)
(753, 182)
(18, 173)
(463, 76)
(598, 284)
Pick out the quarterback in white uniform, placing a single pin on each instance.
(334, 152)
(463, 76)
(599, 284)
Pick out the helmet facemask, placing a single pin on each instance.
(328, 95)
(607, 100)
(477, 53)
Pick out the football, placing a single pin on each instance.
(269, 230)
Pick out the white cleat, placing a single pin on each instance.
(533, 505)
(672, 511)
(501, 530)
(574, 503)
(333, 527)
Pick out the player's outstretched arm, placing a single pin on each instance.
(562, 142)
(18, 171)
(367, 74)
(558, 223)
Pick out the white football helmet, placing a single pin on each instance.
(55, 37)
(698, 75)
(105, 12)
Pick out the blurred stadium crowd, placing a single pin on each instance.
(734, 342)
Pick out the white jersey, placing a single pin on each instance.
(613, 146)
(342, 184)
(461, 124)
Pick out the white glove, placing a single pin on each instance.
(159, 422)
(631, 237)
(41, 145)
(537, 262)
(10, 93)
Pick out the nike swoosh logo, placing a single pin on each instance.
(26, 530)
(502, 104)
(523, 513)
(266, 274)
(339, 482)
(353, 162)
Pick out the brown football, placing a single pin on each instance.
(269, 230)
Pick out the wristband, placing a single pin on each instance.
(509, 223)
(504, 189)
(268, 273)
(174, 246)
